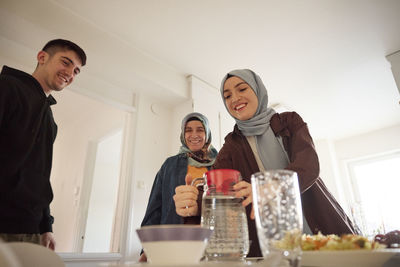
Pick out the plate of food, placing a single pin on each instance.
(346, 250)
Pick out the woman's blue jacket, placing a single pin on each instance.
(161, 206)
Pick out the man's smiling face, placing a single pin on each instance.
(57, 71)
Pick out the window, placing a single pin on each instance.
(376, 184)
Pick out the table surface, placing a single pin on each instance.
(253, 262)
(393, 262)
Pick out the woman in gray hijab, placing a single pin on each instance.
(195, 157)
(263, 140)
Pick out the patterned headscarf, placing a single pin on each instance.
(204, 157)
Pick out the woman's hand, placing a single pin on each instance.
(186, 199)
(243, 189)
(143, 258)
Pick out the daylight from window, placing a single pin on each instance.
(377, 185)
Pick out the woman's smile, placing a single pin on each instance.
(240, 107)
(195, 141)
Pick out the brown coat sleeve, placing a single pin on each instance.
(322, 211)
(299, 146)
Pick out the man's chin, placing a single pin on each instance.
(58, 88)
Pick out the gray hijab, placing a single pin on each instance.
(269, 146)
(206, 156)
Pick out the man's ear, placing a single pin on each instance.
(42, 57)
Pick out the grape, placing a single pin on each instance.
(390, 239)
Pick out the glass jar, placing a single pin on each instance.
(224, 213)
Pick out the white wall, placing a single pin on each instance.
(207, 100)
(136, 70)
(92, 121)
(152, 147)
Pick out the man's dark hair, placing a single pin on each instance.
(56, 45)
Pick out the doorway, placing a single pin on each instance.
(89, 169)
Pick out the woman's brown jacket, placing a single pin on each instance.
(322, 212)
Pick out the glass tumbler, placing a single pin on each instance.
(278, 213)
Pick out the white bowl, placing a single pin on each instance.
(174, 244)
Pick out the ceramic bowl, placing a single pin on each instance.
(174, 244)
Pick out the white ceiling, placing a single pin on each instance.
(324, 59)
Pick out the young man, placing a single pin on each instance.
(27, 134)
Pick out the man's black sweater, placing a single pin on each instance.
(27, 134)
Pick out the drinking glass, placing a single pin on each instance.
(278, 213)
